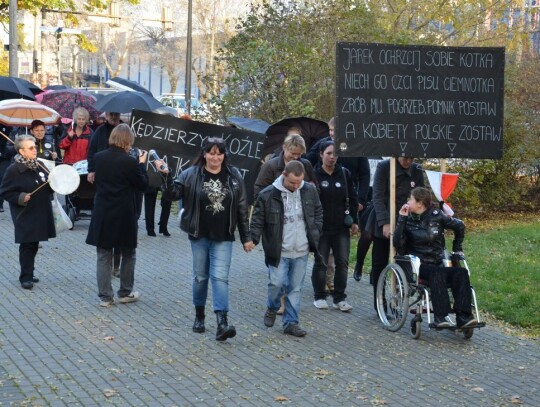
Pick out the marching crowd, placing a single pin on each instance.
(305, 201)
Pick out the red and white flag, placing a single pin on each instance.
(443, 184)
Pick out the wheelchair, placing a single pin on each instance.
(401, 292)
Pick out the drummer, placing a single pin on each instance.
(30, 205)
(77, 137)
(46, 147)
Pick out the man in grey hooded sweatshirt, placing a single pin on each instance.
(288, 214)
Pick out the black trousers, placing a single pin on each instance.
(27, 256)
(150, 198)
(364, 242)
(379, 260)
(442, 278)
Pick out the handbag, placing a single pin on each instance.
(61, 219)
(348, 220)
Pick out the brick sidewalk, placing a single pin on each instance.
(59, 348)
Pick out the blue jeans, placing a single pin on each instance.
(211, 260)
(340, 244)
(289, 275)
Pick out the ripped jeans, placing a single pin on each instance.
(211, 260)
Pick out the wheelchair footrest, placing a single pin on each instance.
(455, 327)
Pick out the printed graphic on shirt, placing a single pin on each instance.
(291, 209)
(216, 194)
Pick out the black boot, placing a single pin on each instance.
(198, 325)
(224, 330)
(163, 230)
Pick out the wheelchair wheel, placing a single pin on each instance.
(468, 333)
(392, 297)
(416, 326)
(72, 215)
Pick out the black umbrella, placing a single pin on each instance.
(256, 125)
(124, 102)
(13, 88)
(31, 87)
(126, 84)
(312, 130)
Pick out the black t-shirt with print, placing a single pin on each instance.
(215, 207)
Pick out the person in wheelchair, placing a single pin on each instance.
(420, 231)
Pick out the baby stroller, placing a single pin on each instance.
(83, 197)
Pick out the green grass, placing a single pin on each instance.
(504, 259)
(505, 271)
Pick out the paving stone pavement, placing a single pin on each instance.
(58, 347)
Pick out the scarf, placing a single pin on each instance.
(29, 162)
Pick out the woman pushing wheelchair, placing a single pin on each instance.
(420, 231)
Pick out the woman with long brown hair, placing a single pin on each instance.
(215, 203)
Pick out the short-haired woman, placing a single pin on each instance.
(293, 148)
(30, 205)
(77, 137)
(45, 144)
(118, 177)
(420, 231)
(338, 197)
(215, 203)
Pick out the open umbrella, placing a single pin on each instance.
(124, 102)
(64, 101)
(312, 130)
(13, 88)
(256, 125)
(20, 112)
(31, 87)
(126, 84)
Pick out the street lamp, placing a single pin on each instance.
(14, 40)
(188, 59)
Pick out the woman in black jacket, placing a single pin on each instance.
(30, 207)
(215, 203)
(420, 232)
(118, 178)
(338, 197)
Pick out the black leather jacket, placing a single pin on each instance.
(188, 185)
(423, 235)
(267, 220)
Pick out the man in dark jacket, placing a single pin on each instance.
(409, 175)
(100, 141)
(288, 215)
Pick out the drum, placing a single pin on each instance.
(64, 179)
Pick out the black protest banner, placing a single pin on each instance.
(419, 101)
(179, 142)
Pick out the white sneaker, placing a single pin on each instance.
(134, 296)
(321, 304)
(342, 306)
(106, 303)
